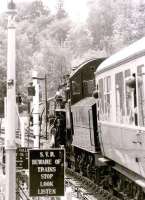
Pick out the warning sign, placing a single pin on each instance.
(22, 158)
(46, 168)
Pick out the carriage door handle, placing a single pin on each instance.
(139, 139)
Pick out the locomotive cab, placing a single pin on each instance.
(83, 107)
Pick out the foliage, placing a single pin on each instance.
(40, 45)
(100, 23)
(80, 40)
(116, 24)
(52, 44)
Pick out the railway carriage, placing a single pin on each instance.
(120, 84)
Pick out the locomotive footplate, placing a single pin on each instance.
(102, 161)
(131, 175)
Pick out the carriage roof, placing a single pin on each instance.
(131, 52)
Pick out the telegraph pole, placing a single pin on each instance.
(35, 112)
(46, 106)
(10, 143)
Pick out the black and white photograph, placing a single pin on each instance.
(72, 100)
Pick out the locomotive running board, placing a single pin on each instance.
(141, 183)
(102, 161)
(131, 175)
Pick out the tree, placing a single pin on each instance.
(80, 40)
(100, 21)
(58, 30)
(138, 30)
(61, 13)
(32, 19)
(31, 11)
(128, 25)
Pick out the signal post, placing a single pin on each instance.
(10, 143)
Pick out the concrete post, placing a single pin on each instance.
(22, 128)
(10, 143)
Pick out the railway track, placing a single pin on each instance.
(84, 189)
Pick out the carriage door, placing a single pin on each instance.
(141, 116)
(141, 95)
(131, 98)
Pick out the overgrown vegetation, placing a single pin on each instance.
(52, 44)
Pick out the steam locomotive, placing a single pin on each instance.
(104, 114)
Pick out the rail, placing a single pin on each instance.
(85, 189)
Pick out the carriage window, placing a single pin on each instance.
(107, 86)
(120, 111)
(141, 96)
(127, 73)
(129, 100)
(101, 100)
(104, 98)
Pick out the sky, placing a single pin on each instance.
(77, 9)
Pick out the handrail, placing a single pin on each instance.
(90, 128)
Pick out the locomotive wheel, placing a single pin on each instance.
(90, 169)
(82, 164)
(111, 183)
